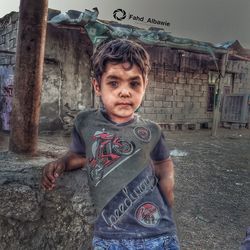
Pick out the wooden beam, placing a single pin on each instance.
(218, 95)
(28, 76)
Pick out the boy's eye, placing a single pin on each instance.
(113, 84)
(135, 84)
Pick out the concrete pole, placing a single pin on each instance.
(219, 90)
(28, 76)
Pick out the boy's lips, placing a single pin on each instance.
(124, 104)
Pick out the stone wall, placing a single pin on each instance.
(8, 32)
(32, 219)
(182, 98)
(177, 95)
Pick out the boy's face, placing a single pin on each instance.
(121, 90)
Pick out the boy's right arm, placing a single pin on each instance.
(53, 170)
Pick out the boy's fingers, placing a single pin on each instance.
(45, 186)
(49, 173)
(46, 183)
(58, 170)
(47, 179)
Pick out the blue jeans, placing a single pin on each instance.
(164, 242)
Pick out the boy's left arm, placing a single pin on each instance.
(164, 171)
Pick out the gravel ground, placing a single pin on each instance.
(212, 204)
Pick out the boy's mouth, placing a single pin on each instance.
(124, 104)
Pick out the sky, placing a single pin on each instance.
(213, 21)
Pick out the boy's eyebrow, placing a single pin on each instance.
(115, 77)
(135, 78)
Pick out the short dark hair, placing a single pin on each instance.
(119, 51)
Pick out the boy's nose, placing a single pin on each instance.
(124, 92)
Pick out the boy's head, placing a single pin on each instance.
(120, 51)
(120, 70)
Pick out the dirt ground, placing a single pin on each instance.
(212, 195)
(212, 206)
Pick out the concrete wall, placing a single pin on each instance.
(66, 84)
(32, 219)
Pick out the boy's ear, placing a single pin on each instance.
(96, 87)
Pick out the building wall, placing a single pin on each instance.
(6, 95)
(241, 76)
(66, 84)
(8, 33)
(177, 95)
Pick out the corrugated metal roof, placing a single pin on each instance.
(99, 30)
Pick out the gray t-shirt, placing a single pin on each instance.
(125, 189)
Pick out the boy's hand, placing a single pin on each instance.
(54, 169)
(51, 172)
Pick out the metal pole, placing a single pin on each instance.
(28, 76)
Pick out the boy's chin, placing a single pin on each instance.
(121, 118)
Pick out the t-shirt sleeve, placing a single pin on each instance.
(160, 151)
(77, 144)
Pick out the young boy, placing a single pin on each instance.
(130, 171)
